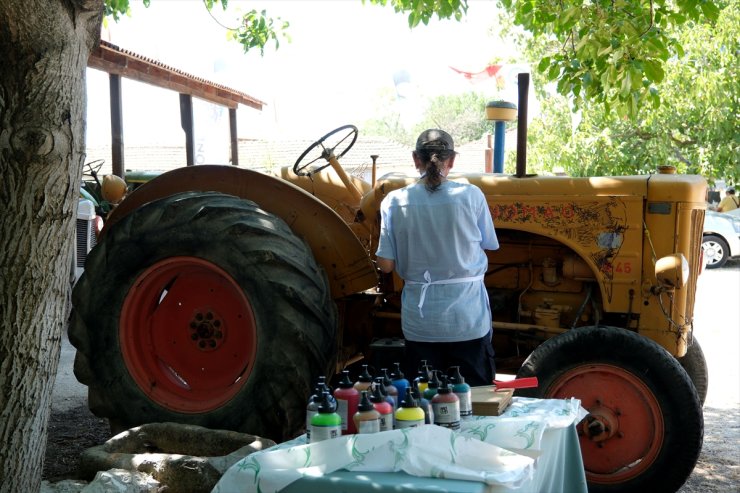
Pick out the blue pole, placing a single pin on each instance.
(498, 147)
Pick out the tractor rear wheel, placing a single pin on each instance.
(645, 427)
(202, 308)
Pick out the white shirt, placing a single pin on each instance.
(443, 233)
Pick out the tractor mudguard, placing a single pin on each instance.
(332, 242)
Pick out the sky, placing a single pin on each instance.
(343, 54)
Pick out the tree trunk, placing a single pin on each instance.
(44, 47)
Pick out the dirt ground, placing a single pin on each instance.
(73, 428)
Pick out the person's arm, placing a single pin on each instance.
(485, 224)
(385, 264)
(724, 203)
(385, 254)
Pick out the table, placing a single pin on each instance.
(533, 447)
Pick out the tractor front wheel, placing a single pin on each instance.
(696, 366)
(645, 428)
(202, 308)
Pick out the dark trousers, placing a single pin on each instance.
(474, 357)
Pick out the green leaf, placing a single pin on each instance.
(605, 50)
(654, 70)
(568, 17)
(544, 63)
(587, 79)
(626, 85)
(711, 11)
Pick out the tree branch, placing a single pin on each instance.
(652, 20)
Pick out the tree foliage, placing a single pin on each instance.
(613, 52)
(695, 129)
(423, 10)
(462, 115)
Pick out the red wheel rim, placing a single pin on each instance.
(624, 431)
(188, 335)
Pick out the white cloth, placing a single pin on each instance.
(428, 282)
(427, 451)
(499, 451)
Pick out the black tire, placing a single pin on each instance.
(716, 251)
(628, 383)
(293, 320)
(696, 366)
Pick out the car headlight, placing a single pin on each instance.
(736, 225)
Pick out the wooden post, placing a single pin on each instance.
(186, 120)
(116, 126)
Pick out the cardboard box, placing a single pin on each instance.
(487, 401)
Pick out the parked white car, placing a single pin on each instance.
(721, 237)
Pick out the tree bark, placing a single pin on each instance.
(44, 47)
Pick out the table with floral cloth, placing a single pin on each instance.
(532, 447)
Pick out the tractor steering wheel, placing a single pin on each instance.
(92, 168)
(329, 144)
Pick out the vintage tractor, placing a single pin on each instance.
(217, 295)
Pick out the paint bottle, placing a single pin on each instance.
(312, 409)
(384, 408)
(432, 386)
(409, 414)
(367, 418)
(462, 391)
(389, 388)
(326, 423)
(347, 401)
(398, 379)
(389, 399)
(324, 387)
(424, 404)
(446, 407)
(422, 377)
(364, 380)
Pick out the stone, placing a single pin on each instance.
(184, 458)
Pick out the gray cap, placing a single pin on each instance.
(435, 140)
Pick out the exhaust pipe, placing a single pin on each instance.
(521, 127)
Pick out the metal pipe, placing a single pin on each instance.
(351, 188)
(498, 147)
(521, 128)
(374, 157)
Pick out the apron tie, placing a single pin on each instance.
(428, 282)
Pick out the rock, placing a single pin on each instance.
(66, 486)
(184, 458)
(120, 481)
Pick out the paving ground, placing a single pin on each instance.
(717, 326)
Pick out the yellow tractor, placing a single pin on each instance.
(217, 296)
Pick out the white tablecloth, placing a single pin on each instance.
(532, 447)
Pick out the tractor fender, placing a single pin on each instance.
(334, 245)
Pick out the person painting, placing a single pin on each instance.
(730, 202)
(434, 233)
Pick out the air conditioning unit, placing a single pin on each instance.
(85, 235)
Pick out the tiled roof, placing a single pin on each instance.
(271, 155)
(263, 155)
